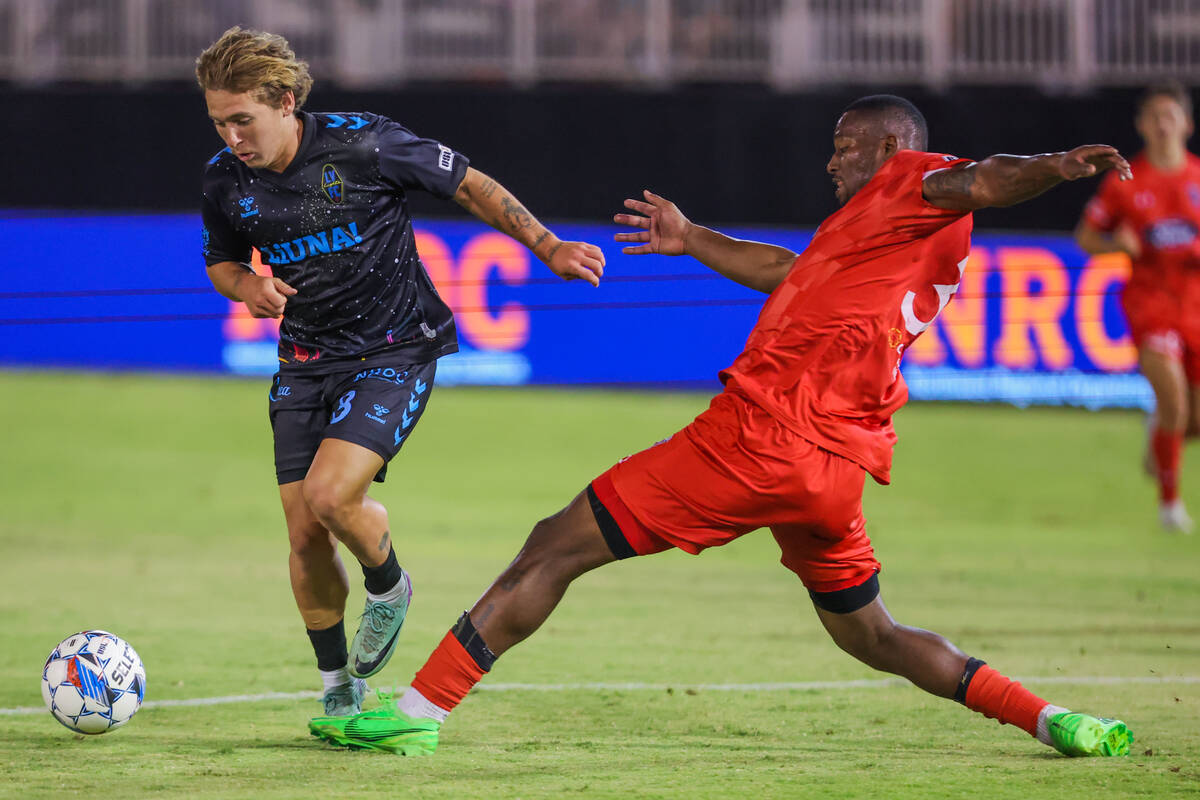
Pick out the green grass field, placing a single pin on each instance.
(147, 506)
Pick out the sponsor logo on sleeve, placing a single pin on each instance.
(445, 158)
(380, 413)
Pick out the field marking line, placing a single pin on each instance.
(881, 683)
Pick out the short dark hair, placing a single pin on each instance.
(897, 108)
(1172, 89)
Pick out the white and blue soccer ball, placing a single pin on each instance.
(93, 682)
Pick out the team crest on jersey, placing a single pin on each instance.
(1193, 193)
(331, 183)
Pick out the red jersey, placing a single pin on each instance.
(823, 358)
(1163, 209)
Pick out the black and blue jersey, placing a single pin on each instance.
(335, 226)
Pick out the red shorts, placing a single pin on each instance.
(1155, 324)
(732, 471)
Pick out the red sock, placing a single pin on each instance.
(448, 675)
(1166, 445)
(999, 698)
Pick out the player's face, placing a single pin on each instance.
(263, 137)
(859, 149)
(1163, 123)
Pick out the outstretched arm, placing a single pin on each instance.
(495, 205)
(666, 231)
(1004, 180)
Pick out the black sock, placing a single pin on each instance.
(383, 578)
(330, 646)
(473, 643)
(973, 665)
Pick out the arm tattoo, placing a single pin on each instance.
(516, 214)
(553, 250)
(540, 239)
(511, 577)
(952, 182)
(483, 615)
(383, 541)
(488, 187)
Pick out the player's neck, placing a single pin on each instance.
(289, 155)
(1167, 159)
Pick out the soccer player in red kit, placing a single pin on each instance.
(1155, 220)
(804, 416)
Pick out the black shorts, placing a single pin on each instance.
(375, 407)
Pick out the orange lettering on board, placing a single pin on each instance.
(1101, 274)
(962, 323)
(1031, 320)
(508, 327)
(435, 255)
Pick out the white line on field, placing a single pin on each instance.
(882, 683)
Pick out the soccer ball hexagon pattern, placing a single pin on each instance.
(93, 682)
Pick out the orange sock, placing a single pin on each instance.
(448, 675)
(1000, 698)
(1166, 446)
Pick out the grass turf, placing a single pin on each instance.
(147, 506)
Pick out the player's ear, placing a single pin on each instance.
(890, 145)
(288, 103)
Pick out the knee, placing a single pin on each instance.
(311, 541)
(1172, 416)
(328, 502)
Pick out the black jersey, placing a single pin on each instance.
(335, 226)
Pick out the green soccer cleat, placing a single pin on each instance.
(345, 700)
(384, 728)
(1083, 735)
(377, 631)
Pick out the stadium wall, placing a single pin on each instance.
(1034, 320)
(725, 154)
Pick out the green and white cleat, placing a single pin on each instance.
(345, 700)
(1084, 735)
(377, 631)
(384, 728)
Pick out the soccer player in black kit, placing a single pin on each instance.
(323, 199)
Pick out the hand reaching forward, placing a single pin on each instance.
(1092, 159)
(664, 227)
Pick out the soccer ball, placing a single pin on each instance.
(93, 682)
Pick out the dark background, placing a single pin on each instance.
(725, 154)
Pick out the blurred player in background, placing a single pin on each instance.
(1155, 220)
(805, 415)
(323, 199)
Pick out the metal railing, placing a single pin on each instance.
(788, 44)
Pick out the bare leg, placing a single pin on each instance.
(559, 550)
(871, 635)
(319, 581)
(1170, 386)
(1193, 425)
(335, 490)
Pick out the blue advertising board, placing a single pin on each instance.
(1034, 320)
